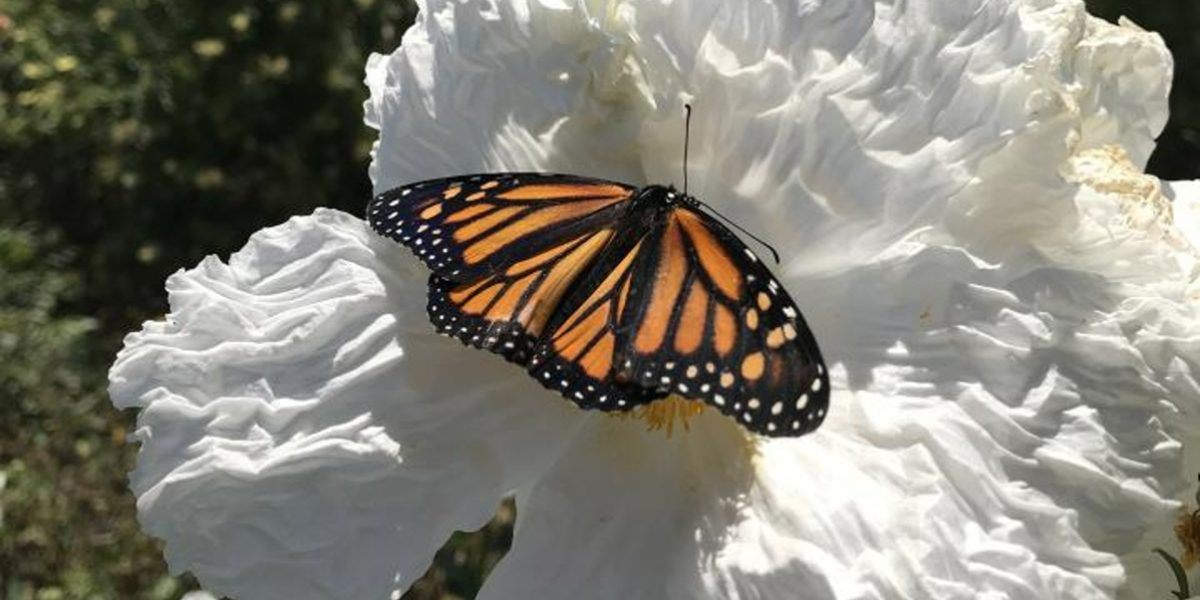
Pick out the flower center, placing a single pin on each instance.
(661, 414)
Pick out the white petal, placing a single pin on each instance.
(629, 513)
(304, 434)
(861, 509)
(955, 188)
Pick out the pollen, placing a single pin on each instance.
(662, 414)
(1187, 530)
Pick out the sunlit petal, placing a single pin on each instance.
(956, 188)
(304, 434)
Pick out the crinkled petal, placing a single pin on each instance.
(836, 515)
(304, 434)
(1007, 302)
(633, 513)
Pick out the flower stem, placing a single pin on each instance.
(1180, 575)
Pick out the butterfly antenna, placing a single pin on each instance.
(739, 228)
(687, 129)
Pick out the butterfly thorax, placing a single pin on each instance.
(664, 195)
(652, 203)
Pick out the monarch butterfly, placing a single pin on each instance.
(611, 295)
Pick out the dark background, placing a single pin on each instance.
(136, 137)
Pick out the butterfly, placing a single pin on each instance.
(611, 295)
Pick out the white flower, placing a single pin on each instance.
(1006, 302)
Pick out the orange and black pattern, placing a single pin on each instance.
(464, 227)
(611, 295)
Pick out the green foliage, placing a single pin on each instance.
(461, 566)
(66, 526)
(153, 132)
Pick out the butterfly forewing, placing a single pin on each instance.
(465, 227)
(507, 310)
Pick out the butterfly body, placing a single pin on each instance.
(611, 295)
(648, 208)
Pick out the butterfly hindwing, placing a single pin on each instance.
(687, 309)
(714, 324)
(468, 226)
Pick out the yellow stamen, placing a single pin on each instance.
(661, 414)
(1187, 530)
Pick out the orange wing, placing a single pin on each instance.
(688, 309)
(467, 227)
